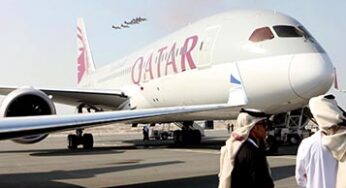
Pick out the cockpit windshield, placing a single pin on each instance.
(281, 31)
(287, 31)
(280, 38)
(306, 33)
(261, 34)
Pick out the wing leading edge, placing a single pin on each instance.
(25, 126)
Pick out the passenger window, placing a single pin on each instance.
(287, 31)
(261, 34)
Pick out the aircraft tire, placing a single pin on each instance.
(177, 136)
(72, 141)
(293, 139)
(196, 137)
(88, 141)
(186, 137)
(164, 136)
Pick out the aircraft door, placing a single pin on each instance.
(207, 46)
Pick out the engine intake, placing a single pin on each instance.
(27, 102)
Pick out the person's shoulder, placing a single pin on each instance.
(311, 139)
(305, 143)
(309, 142)
(248, 144)
(246, 151)
(247, 148)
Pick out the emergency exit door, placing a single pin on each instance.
(207, 46)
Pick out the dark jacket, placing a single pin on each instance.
(251, 168)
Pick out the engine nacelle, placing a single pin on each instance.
(27, 102)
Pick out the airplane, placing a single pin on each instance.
(128, 23)
(140, 19)
(116, 27)
(209, 70)
(124, 26)
(136, 20)
(133, 21)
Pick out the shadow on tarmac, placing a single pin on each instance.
(201, 182)
(139, 144)
(127, 145)
(282, 172)
(66, 152)
(207, 181)
(50, 179)
(207, 143)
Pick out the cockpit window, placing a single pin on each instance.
(306, 33)
(287, 31)
(261, 34)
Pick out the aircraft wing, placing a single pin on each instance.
(13, 127)
(110, 99)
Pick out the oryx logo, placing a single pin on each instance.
(82, 58)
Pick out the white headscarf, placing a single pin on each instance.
(326, 111)
(228, 152)
(328, 114)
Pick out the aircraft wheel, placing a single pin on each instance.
(186, 136)
(164, 136)
(88, 141)
(294, 139)
(177, 136)
(72, 141)
(196, 137)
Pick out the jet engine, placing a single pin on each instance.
(27, 102)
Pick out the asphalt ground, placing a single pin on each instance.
(124, 160)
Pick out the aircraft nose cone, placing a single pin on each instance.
(311, 74)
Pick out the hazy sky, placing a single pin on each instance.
(38, 37)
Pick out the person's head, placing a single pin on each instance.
(255, 122)
(259, 131)
(328, 115)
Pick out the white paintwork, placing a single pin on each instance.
(311, 69)
(272, 83)
(192, 68)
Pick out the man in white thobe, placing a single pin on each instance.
(314, 167)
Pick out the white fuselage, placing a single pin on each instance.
(193, 66)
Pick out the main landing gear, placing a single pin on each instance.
(79, 138)
(187, 135)
(87, 140)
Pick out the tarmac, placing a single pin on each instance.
(124, 160)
